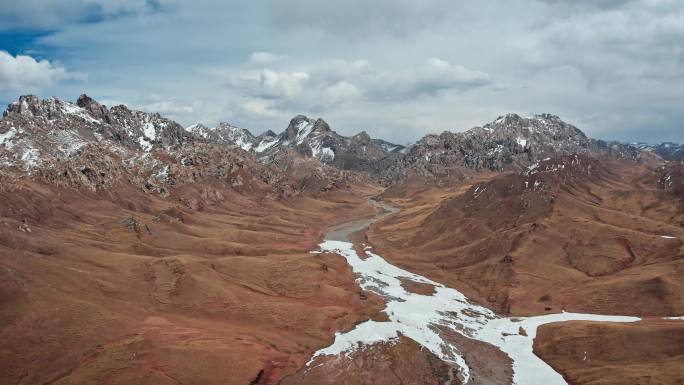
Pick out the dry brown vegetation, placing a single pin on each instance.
(212, 285)
(588, 244)
(120, 288)
(650, 352)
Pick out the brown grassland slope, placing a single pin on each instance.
(649, 352)
(588, 237)
(576, 235)
(121, 287)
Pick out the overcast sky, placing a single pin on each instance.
(396, 68)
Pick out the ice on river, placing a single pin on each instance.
(420, 318)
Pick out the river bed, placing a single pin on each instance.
(420, 317)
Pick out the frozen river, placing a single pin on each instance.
(420, 317)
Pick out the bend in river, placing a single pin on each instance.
(420, 317)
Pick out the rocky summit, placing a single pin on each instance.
(51, 131)
(508, 143)
(90, 145)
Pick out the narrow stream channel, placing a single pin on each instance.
(420, 317)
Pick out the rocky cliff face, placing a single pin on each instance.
(42, 131)
(670, 177)
(670, 151)
(511, 142)
(310, 138)
(87, 145)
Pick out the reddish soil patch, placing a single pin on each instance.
(488, 365)
(140, 290)
(649, 352)
(402, 362)
(417, 287)
(526, 245)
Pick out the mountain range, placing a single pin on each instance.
(58, 133)
(136, 250)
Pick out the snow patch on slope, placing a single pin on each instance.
(266, 144)
(7, 137)
(72, 109)
(30, 157)
(303, 130)
(69, 142)
(149, 131)
(243, 144)
(327, 154)
(144, 144)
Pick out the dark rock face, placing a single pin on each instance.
(510, 142)
(670, 177)
(670, 151)
(94, 108)
(309, 138)
(28, 105)
(90, 144)
(87, 145)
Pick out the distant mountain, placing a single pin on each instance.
(86, 144)
(44, 137)
(509, 142)
(666, 150)
(307, 137)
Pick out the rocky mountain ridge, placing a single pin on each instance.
(86, 144)
(510, 142)
(666, 150)
(51, 134)
(308, 137)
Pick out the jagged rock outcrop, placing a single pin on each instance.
(670, 177)
(90, 145)
(310, 138)
(511, 142)
(87, 145)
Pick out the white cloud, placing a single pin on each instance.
(23, 73)
(365, 91)
(259, 107)
(441, 74)
(433, 77)
(167, 107)
(610, 66)
(342, 92)
(334, 70)
(267, 83)
(361, 17)
(112, 102)
(282, 84)
(263, 58)
(339, 81)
